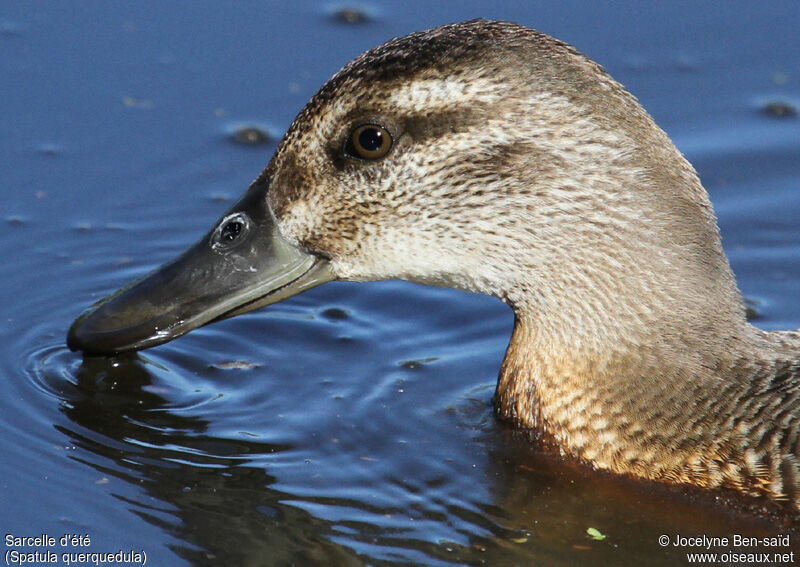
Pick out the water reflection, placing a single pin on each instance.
(558, 502)
(202, 488)
(218, 497)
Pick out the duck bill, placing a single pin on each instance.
(242, 264)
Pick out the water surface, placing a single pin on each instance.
(353, 424)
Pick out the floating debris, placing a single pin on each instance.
(335, 314)
(236, 365)
(520, 536)
(779, 78)
(10, 29)
(220, 197)
(686, 63)
(131, 102)
(638, 63)
(351, 15)
(250, 135)
(595, 534)
(50, 150)
(412, 364)
(780, 109)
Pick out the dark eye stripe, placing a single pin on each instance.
(368, 142)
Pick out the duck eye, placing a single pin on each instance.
(368, 142)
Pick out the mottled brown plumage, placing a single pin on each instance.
(522, 170)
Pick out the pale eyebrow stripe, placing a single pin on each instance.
(431, 95)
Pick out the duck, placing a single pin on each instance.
(489, 157)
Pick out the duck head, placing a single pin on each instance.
(483, 156)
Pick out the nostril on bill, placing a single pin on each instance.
(231, 230)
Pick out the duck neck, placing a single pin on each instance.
(645, 410)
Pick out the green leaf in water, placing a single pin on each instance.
(596, 534)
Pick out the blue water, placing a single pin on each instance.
(351, 424)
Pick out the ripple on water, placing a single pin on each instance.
(376, 470)
(61, 374)
(52, 370)
(386, 446)
(145, 407)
